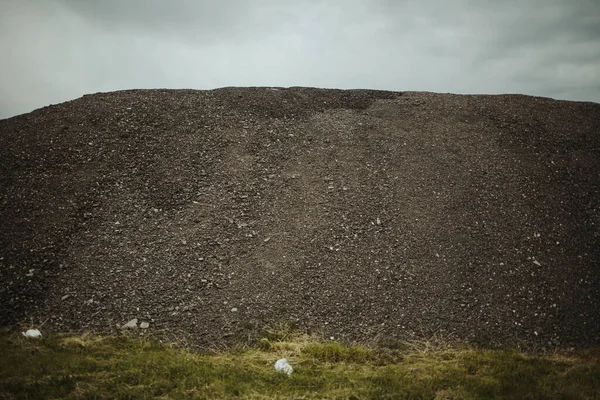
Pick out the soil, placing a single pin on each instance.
(364, 215)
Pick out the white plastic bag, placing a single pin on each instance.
(282, 365)
(33, 334)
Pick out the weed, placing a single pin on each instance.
(87, 366)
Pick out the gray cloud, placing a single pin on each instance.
(199, 22)
(55, 50)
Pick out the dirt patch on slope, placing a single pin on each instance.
(367, 214)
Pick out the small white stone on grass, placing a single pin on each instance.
(32, 334)
(144, 325)
(283, 366)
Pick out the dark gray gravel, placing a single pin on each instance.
(369, 215)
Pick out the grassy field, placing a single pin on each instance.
(92, 367)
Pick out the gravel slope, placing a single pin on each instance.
(367, 214)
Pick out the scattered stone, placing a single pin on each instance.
(66, 296)
(131, 324)
(536, 262)
(144, 325)
(234, 309)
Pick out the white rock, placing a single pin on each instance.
(33, 334)
(283, 366)
(144, 325)
(131, 324)
(536, 262)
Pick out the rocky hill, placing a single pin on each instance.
(368, 215)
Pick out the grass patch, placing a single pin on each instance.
(92, 367)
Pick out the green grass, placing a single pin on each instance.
(92, 367)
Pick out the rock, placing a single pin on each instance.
(283, 366)
(144, 325)
(131, 324)
(32, 334)
(66, 296)
(234, 309)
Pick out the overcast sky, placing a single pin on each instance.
(56, 50)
